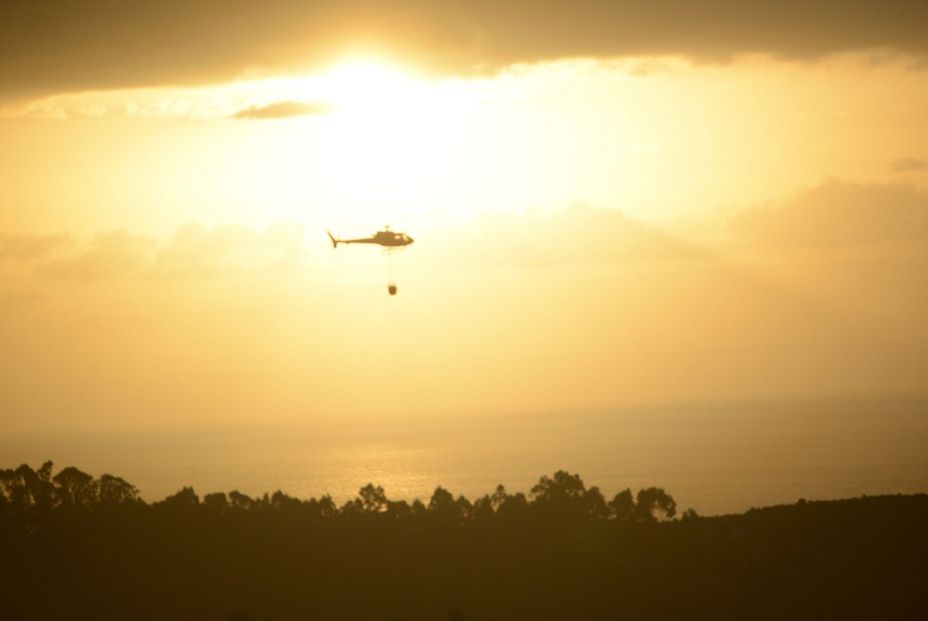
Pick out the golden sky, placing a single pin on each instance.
(612, 203)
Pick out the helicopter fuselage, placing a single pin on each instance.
(388, 239)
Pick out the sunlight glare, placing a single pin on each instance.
(369, 86)
(393, 137)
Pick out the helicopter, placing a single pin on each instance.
(386, 238)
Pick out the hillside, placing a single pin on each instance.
(78, 547)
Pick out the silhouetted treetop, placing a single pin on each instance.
(74, 547)
(28, 493)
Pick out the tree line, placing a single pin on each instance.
(74, 546)
(27, 494)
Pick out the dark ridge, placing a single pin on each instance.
(73, 546)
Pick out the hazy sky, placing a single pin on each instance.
(613, 203)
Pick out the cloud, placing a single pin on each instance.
(837, 212)
(908, 164)
(29, 247)
(56, 46)
(193, 251)
(198, 251)
(111, 254)
(288, 241)
(282, 110)
(577, 234)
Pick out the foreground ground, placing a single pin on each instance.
(75, 547)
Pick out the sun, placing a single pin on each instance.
(370, 86)
(389, 140)
(390, 144)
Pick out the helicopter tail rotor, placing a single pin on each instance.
(334, 241)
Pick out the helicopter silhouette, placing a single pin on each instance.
(386, 238)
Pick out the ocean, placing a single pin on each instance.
(715, 458)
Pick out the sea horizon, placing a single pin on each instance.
(741, 455)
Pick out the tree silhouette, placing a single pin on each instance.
(78, 547)
(217, 502)
(113, 490)
(398, 510)
(76, 489)
(185, 499)
(373, 499)
(622, 505)
(652, 504)
(240, 501)
(283, 502)
(594, 504)
(562, 488)
(564, 496)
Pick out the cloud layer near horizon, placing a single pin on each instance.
(578, 234)
(29, 247)
(835, 213)
(908, 164)
(281, 110)
(838, 213)
(205, 325)
(56, 46)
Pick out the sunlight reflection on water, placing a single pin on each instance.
(717, 459)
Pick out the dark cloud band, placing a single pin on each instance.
(50, 46)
